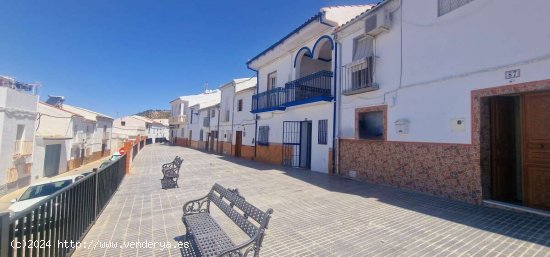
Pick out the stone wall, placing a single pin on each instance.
(449, 170)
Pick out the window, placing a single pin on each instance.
(201, 136)
(271, 80)
(183, 132)
(371, 125)
(123, 123)
(240, 105)
(263, 135)
(446, 6)
(362, 48)
(213, 113)
(323, 131)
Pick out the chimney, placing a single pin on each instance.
(56, 101)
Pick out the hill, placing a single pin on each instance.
(155, 114)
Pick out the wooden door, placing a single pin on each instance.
(536, 150)
(212, 139)
(503, 149)
(238, 143)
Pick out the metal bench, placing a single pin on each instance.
(171, 173)
(205, 237)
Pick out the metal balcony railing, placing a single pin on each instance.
(269, 100)
(23, 148)
(358, 77)
(314, 87)
(317, 85)
(180, 119)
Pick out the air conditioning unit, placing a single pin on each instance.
(378, 23)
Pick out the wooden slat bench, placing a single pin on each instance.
(206, 238)
(171, 173)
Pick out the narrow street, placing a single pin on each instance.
(314, 214)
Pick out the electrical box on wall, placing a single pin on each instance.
(402, 126)
(458, 125)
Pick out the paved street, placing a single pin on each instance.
(314, 214)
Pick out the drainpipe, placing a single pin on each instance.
(218, 131)
(334, 141)
(233, 119)
(255, 119)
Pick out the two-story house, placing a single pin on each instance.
(233, 113)
(448, 97)
(294, 102)
(18, 112)
(182, 113)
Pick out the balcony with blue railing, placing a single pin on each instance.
(312, 88)
(271, 100)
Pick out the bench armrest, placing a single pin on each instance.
(197, 206)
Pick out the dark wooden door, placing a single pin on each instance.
(238, 143)
(212, 139)
(503, 149)
(536, 154)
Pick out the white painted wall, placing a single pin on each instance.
(445, 58)
(16, 108)
(244, 120)
(286, 72)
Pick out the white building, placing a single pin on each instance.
(448, 97)
(93, 137)
(54, 138)
(243, 121)
(160, 130)
(18, 112)
(233, 114)
(180, 115)
(294, 99)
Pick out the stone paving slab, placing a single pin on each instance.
(315, 214)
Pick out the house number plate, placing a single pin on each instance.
(512, 74)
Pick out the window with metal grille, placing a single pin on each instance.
(201, 135)
(123, 123)
(213, 113)
(240, 105)
(323, 132)
(263, 135)
(446, 6)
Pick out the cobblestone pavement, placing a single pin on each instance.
(315, 214)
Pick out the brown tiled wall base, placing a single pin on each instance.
(330, 172)
(181, 141)
(75, 163)
(449, 170)
(247, 152)
(272, 153)
(226, 148)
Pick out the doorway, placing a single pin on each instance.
(520, 149)
(51, 160)
(238, 143)
(297, 144)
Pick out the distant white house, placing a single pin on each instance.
(448, 97)
(184, 116)
(294, 99)
(18, 112)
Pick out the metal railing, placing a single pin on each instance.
(179, 119)
(359, 77)
(269, 99)
(318, 84)
(66, 215)
(23, 148)
(315, 85)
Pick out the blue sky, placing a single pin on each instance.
(125, 56)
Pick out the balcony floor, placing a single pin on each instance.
(314, 214)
